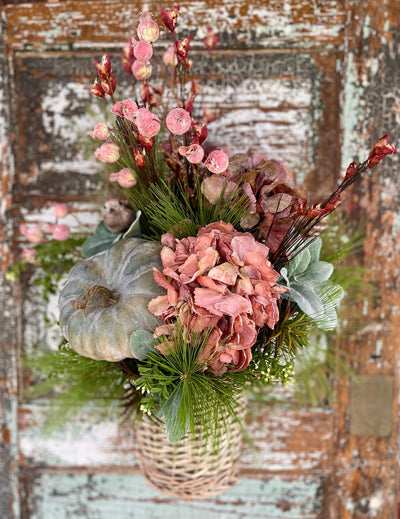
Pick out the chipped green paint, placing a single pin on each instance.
(378, 348)
(9, 473)
(366, 27)
(396, 225)
(101, 496)
(351, 113)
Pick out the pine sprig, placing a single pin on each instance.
(169, 210)
(184, 393)
(77, 384)
(289, 335)
(316, 370)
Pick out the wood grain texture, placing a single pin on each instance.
(9, 305)
(104, 495)
(72, 24)
(282, 442)
(9, 451)
(364, 481)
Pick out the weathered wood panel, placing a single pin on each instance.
(9, 469)
(364, 481)
(105, 495)
(9, 460)
(301, 79)
(72, 24)
(280, 442)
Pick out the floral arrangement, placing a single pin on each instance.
(207, 269)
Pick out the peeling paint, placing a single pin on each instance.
(61, 496)
(294, 55)
(351, 112)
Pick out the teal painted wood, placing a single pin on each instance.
(106, 496)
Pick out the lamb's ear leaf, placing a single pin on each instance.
(306, 299)
(316, 275)
(299, 263)
(284, 276)
(315, 249)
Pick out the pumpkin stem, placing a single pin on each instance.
(96, 294)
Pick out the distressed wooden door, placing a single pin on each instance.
(309, 82)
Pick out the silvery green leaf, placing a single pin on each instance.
(299, 263)
(134, 230)
(284, 275)
(306, 299)
(101, 240)
(142, 343)
(316, 275)
(315, 249)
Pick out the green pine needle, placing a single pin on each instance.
(187, 396)
(77, 384)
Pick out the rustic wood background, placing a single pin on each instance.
(310, 82)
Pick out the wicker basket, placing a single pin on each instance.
(194, 468)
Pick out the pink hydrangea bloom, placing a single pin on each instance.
(60, 210)
(220, 280)
(143, 50)
(178, 121)
(34, 234)
(125, 178)
(23, 229)
(217, 161)
(126, 108)
(100, 131)
(194, 153)
(61, 232)
(108, 152)
(141, 70)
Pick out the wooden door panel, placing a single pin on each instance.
(306, 82)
